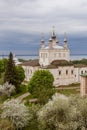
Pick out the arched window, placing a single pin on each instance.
(71, 71)
(59, 72)
(82, 72)
(66, 72)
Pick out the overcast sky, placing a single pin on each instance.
(23, 21)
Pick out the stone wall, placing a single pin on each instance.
(63, 75)
(83, 85)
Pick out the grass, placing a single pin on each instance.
(70, 85)
(69, 92)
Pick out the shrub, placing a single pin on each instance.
(7, 89)
(16, 112)
(41, 85)
(58, 114)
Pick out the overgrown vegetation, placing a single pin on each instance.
(59, 113)
(56, 112)
(69, 92)
(13, 75)
(41, 85)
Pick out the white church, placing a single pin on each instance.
(53, 51)
(56, 59)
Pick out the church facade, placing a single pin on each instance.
(53, 51)
(56, 59)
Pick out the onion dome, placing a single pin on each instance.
(42, 41)
(65, 39)
(53, 34)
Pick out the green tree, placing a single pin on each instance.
(21, 74)
(11, 75)
(3, 63)
(41, 85)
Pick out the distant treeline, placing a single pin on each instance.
(82, 61)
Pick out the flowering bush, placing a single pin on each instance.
(16, 112)
(57, 114)
(7, 89)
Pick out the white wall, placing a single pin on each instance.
(59, 79)
(63, 78)
(46, 56)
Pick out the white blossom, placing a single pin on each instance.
(58, 114)
(16, 112)
(7, 89)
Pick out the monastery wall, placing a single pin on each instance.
(29, 71)
(78, 71)
(63, 75)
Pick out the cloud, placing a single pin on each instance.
(23, 21)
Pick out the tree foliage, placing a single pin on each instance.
(41, 85)
(7, 89)
(81, 111)
(62, 113)
(82, 61)
(21, 74)
(16, 112)
(33, 123)
(11, 75)
(54, 114)
(3, 63)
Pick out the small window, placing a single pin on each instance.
(81, 72)
(85, 71)
(71, 71)
(59, 72)
(66, 71)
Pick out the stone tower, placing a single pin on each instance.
(83, 85)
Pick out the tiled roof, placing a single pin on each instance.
(31, 63)
(61, 63)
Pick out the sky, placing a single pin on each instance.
(23, 21)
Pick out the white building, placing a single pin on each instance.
(56, 59)
(53, 51)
